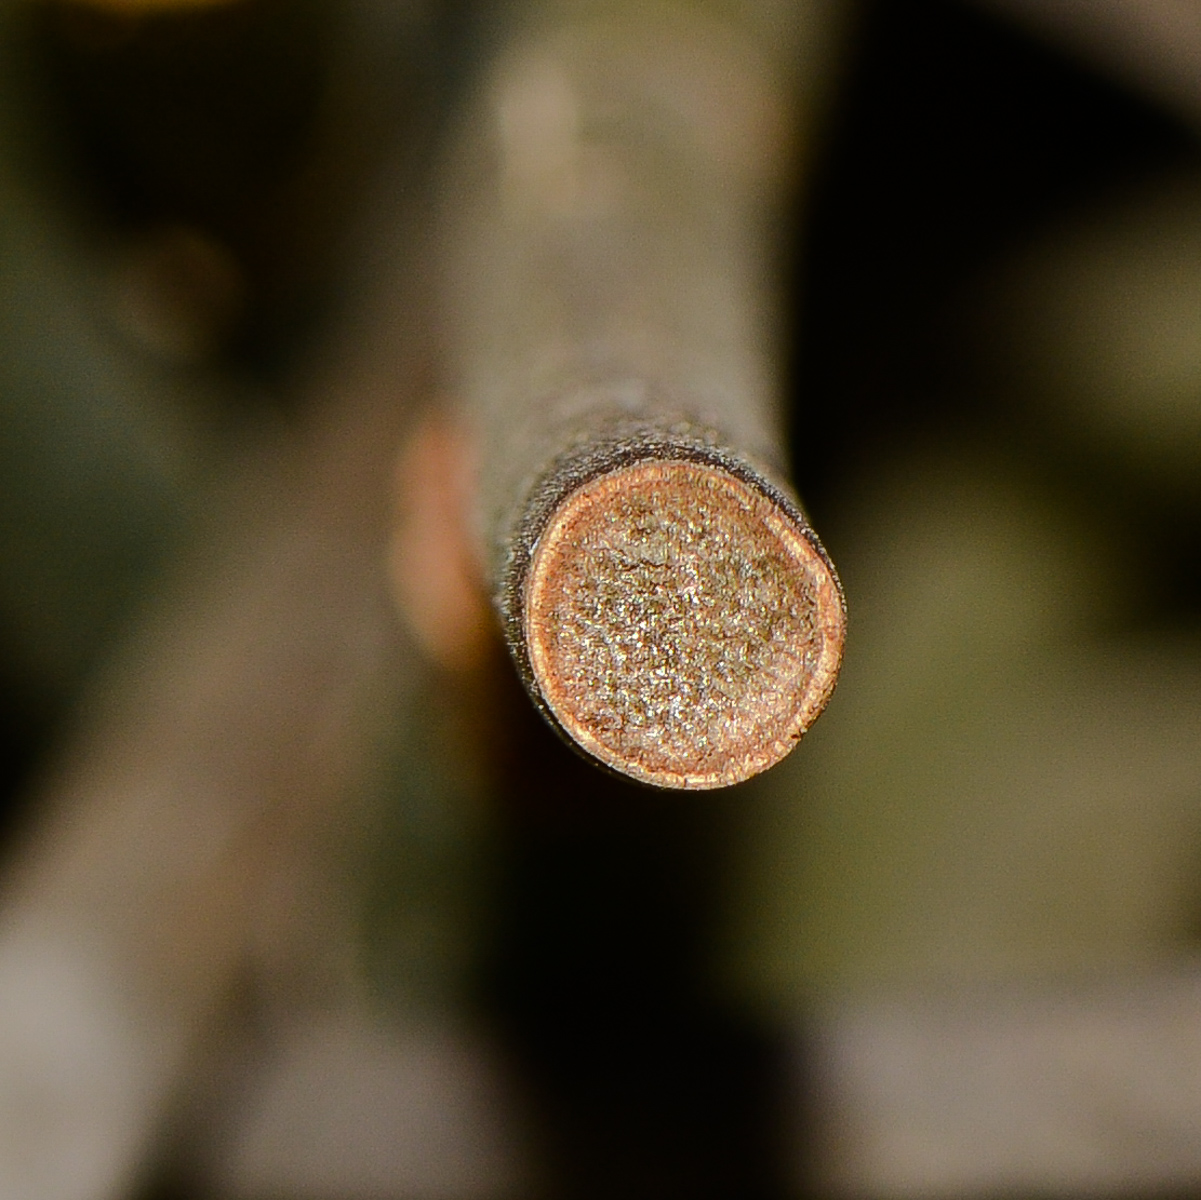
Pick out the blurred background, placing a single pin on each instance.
(299, 903)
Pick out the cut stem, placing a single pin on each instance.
(610, 300)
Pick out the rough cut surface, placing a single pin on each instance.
(680, 626)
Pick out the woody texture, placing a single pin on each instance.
(611, 300)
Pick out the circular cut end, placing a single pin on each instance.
(681, 626)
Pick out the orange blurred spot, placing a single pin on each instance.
(435, 576)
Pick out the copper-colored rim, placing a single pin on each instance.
(681, 626)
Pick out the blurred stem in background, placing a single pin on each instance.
(210, 562)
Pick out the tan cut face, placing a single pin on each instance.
(681, 628)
